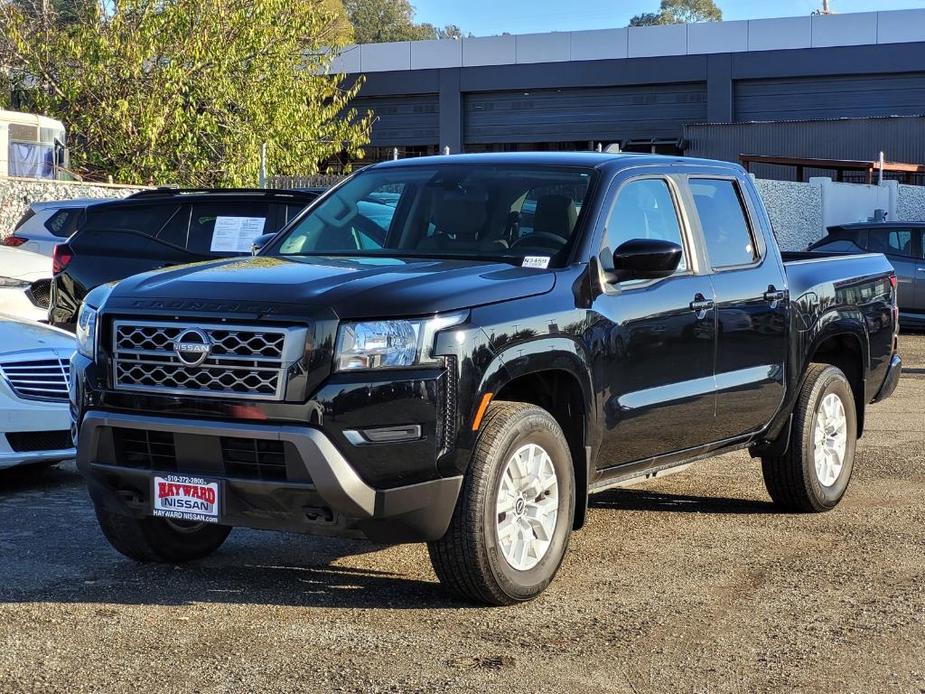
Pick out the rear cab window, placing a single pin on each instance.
(727, 232)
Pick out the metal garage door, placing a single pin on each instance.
(403, 120)
(606, 114)
(830, 97)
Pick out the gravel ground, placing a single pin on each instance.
(691, 584)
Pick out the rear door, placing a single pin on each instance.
(751, 305)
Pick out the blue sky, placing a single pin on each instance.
(487, 17)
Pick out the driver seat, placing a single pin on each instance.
(556, 215)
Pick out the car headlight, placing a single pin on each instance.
(86, 331)
(390, 343)
(13, 282)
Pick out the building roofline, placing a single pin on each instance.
(738, 36)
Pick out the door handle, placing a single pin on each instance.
(774, 296)
(701, 305)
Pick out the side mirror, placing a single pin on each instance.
(640, 259)
(260, 242)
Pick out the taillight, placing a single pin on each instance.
(893, 281)
(13, 241)
(61, 258)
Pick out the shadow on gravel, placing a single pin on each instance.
(648, 500)
(36, 477)
(52, 550)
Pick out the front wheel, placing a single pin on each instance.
(813, 474)
(513, 518)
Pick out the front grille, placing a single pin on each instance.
(38, 379)
(253, 459)
(259, 459)
(246, 362)
(31, 441)
(146, 450)
(40, 293)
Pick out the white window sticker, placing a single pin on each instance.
(236, 234)
(537, 261)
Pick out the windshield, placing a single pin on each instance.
(453, 210)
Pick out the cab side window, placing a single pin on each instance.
(891, 242)
(645, 209)
(724, 222)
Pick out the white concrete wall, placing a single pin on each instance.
(16, 194)
(801, 212)
(853, 29)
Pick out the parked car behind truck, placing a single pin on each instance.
(470, 381)
(160, 228)
(903, 244)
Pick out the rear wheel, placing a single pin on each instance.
(814, 473)
(160, 539)
(514, 515)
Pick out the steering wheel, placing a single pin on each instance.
(541, 239)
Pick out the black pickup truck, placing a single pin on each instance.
(459, 350)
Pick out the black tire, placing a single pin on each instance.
(160, 540)
(467, 559)
(791, 479)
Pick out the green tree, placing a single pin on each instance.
(680, 12)
(185, 91)
(378, 21)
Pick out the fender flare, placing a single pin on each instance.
(551, 354)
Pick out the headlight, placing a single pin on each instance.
(390, 343)
(13, 282)
(86, 331)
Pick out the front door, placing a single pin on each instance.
(653, 341)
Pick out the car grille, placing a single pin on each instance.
(40, 379)
(241, 361)
(31, 441)
(255, 459)
(40, 293)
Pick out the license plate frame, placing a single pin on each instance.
(186, 498)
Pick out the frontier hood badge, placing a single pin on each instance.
(192, 347)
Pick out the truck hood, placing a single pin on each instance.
(352, 287)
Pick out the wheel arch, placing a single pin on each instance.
(845, 347)
(554, 375)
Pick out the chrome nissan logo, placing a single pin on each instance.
(192, 347)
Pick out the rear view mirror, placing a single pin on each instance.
(640, 259)
(260, 242)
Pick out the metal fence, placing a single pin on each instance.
(316, 181)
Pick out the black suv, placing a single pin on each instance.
(160, 228)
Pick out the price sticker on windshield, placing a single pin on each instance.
(541, 262)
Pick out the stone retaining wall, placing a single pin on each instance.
(16, 194)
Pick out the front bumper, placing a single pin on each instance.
(15, 302)
(25, 416)
(329, 498)
(892, 379)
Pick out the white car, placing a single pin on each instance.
(46, 224)
(25, 284)
(35, 418)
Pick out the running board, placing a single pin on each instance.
(633, 480)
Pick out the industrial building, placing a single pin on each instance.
(647, 88)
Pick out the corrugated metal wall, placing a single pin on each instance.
(403, 120)
(901, 139)
(830, 97)
(560, 115)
